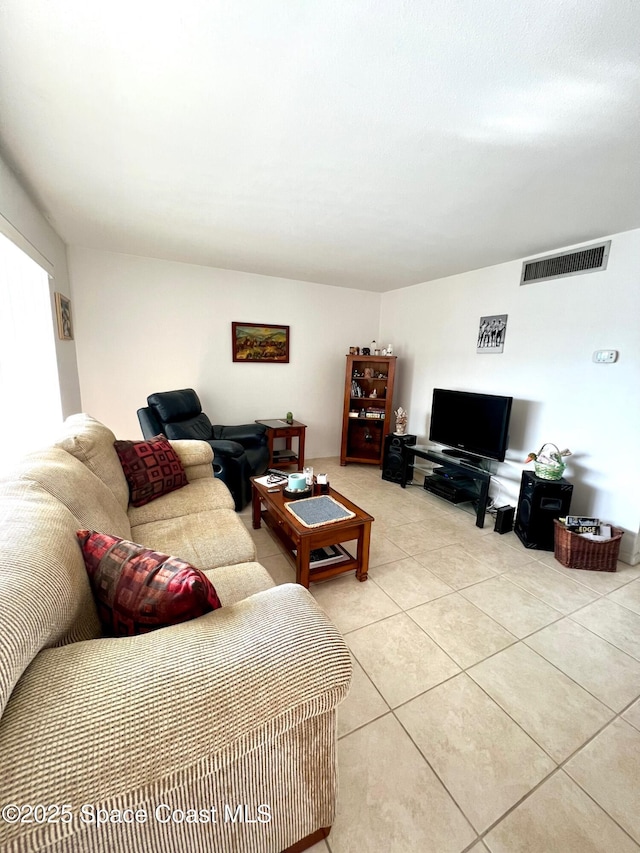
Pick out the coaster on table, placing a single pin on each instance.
(314, 512)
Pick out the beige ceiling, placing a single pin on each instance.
(362, 143)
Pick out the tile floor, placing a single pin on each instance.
(495, 701)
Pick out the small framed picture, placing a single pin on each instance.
(63, 315)
(491, 333)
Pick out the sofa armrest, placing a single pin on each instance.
(196, 457)
(120, 715)
(248, 435)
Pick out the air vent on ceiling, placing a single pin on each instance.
(590, 259)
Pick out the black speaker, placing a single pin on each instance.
(539, 503)
(392, 459)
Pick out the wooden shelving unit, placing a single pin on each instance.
(368, 402)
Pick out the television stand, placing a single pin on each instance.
(457, 479)
(462, 456)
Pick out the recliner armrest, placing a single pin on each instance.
(223, 447)
(249, 435)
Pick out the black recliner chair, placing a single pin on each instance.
(240, 452)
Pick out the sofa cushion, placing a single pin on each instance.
(198, 496)
(152, 468)
(92, 443)
(240, 581)
(205, 539)
(139, 590)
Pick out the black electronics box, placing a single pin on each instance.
(504, 519)
(448, 474)
(450, 489)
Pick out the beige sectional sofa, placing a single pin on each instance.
(217, 734)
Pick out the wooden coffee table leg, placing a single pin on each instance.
(256, 510)
(302, 563)
(364, 540)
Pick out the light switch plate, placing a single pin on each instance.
(605, 356)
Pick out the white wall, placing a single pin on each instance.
(560, 395)
(25, 224)
(145, 325)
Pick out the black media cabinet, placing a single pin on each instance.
(456, 480)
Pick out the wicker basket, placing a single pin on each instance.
(577, 552)
(548, 471)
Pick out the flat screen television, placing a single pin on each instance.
(471, 425)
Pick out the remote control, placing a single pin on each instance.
(275, 473)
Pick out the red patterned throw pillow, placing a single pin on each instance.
(152, 468)
(138, 590)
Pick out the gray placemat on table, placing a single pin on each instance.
(314, 512)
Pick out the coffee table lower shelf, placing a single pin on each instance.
(298, 541)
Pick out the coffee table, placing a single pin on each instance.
(268, 505)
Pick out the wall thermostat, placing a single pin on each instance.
(605, 356)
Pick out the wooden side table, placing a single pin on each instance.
(279, 428)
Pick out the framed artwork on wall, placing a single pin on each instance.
(260, 342)
(63, 316)
(491, 333)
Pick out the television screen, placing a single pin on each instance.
(475, 424)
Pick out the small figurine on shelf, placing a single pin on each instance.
(289, 418)
(401, 421)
